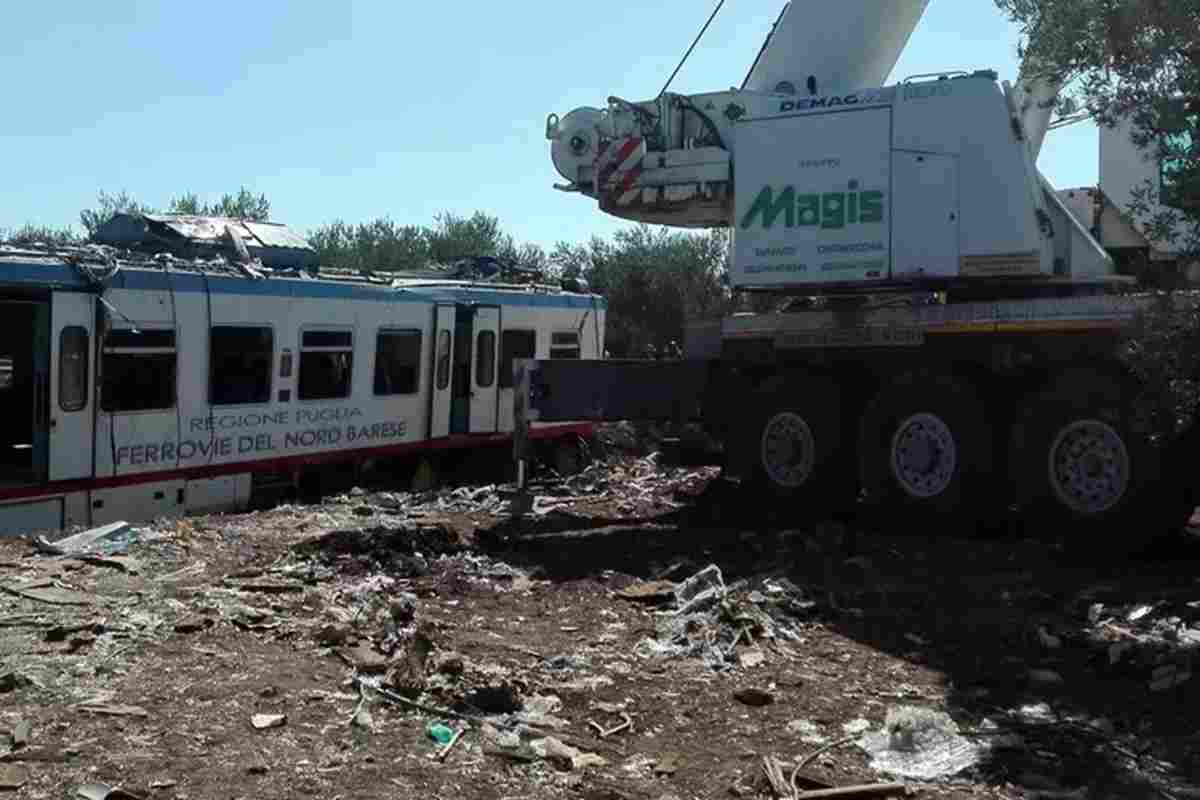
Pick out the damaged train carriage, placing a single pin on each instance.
(136, 383)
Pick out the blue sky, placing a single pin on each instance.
(358, 110)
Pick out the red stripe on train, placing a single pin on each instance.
(284, 464)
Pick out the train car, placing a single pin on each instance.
(137, 385)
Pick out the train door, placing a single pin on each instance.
(24, 374)
(460, 383)
(443, 344)
(70, 411)
(484, 391)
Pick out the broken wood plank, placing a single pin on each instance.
(45, 591)
(860, 791)
(113, 709)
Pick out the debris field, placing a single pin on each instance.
(639, 634)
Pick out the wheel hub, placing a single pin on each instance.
(924, 456)
(1089, 466)
(787, 450)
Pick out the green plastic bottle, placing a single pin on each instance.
(439, 733)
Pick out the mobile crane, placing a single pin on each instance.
(949, 333)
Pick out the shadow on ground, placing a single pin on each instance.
(1010, 622)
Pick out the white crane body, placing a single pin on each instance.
(947, 335)
(946, 166)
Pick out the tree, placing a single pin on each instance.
(108, 206)
(1136, 61)
(1139, 61)
(243, 205)
(655, 281)
(379, 245)
(453, 237)
(384, 246)
(40, 234)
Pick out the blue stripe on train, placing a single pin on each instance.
(62, 276)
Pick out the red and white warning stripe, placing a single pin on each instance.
(618, 167)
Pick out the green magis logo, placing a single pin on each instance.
(828, 210)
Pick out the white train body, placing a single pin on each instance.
(166, 390)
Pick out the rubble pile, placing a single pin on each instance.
(1157, 642)
(372, 638)
(631, 487)
(710, 619)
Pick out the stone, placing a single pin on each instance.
(1168, 676)
(668, 763)
(365, 658)
(12, 777)
(264, 721)
(648, 591)
(751, 658)
(500, 699)
(11, 681)
(333, 634)
(403, 608)
(856, 726)
(1139, 613)
(80, 641)
(451, 664)
(807, 730)
(1048, 640)
(192, 624)
(21, 734)
(565, 756)
(753, 697)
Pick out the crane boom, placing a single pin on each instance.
(870, 37)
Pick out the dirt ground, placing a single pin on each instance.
(147, 670)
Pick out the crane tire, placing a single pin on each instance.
(792, 440)
(926, 454)
(1086, 472)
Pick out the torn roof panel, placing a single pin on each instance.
(189, 227)
(272, 234)
(192, 236)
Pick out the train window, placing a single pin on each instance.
(443, 360)
(138, 370)
(72, 368)
(285, 363)
(326, 360)
(513, 345)
(485, 359)
(397, 362)
(240, 360)
(564, 344)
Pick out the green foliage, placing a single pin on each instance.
(1138, 61)
(382, 245)
(1162, 350)
(107, 207)
(243, 205)
(655, 280)
(40, 234)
